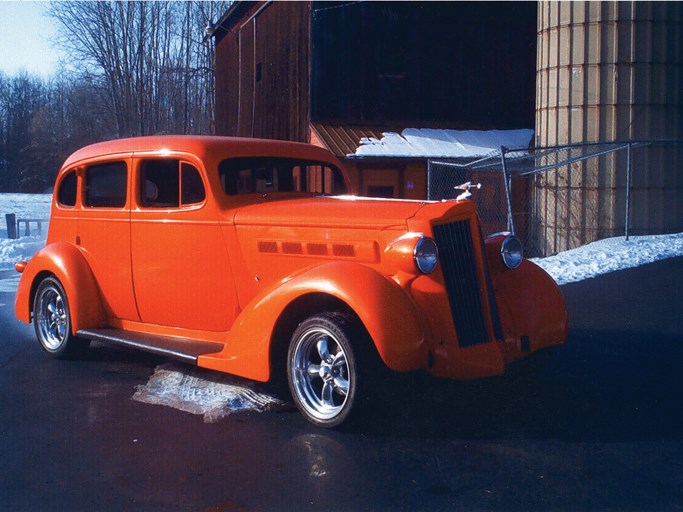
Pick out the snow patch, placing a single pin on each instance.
(24, 248)
(190, 391)
(24, 206)
(433, 143)
(610, 255)
(9, 284)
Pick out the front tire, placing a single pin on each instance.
(52, 321)
(322, 368)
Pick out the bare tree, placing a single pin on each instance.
(135, 68)
(22, 97)
(150, 58)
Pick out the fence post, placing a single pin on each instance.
(508, 187)
(11, 221)
(627, 221)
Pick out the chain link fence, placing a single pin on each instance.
(559, 198)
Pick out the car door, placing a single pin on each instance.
(104, 233)
(180, 263)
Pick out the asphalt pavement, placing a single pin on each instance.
(600, 428)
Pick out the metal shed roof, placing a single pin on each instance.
(355, 141)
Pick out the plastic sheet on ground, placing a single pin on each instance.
(212, 395)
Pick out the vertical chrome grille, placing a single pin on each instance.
(459, 266)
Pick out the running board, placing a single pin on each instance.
(178, 348)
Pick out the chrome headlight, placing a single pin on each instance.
(511, 250)
(426, 255)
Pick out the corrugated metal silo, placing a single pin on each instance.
(609, 71)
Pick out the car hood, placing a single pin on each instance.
(339, 211)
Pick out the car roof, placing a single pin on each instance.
(202, 146)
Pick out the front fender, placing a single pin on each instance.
(66, 263)
(532, 305)
(385, 310)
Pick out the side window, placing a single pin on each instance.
(66, 194)
(169, 183)
(159, 184)
(106, 184)
(192, 186)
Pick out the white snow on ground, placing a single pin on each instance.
(23, 248)
(609, 255)
(24, 206)
(193, 391)
(434, 143)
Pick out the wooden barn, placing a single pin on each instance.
(338, 73)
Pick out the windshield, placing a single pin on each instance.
(271, 174)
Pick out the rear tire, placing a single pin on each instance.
(323, 368)
(52, 321)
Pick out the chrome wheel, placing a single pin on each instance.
(52, 320)
(321, 373)
(322, 370)
(51, 316)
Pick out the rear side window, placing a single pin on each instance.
(169, 184)
(106, 185)
(272, 174)
(192, 186)
(66, 194)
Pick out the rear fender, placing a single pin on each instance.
(387, 313)
(68, 265)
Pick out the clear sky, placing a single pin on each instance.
(25, 38)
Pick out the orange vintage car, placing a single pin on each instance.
(250, 257)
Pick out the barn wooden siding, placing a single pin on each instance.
(262, 79)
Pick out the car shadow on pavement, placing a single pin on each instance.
(616, 379)
(602, 386)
